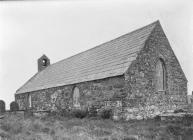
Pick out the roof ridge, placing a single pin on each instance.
(155, 22)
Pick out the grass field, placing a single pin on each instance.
(16, 127)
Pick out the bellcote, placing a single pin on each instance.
(43, 62)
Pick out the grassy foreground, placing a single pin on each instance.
(16, 127)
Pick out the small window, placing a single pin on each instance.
(30, 101)
(76, 96)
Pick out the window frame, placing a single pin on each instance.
(76, 103)
(30, 101)
(160, 60)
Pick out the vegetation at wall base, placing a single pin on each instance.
(106, 113)
(92, 111)
(15, 126)
(78, 113)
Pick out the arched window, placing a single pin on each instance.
(29, 101)
(160, 75)
(76, 96)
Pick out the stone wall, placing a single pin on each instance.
(104, 92)
(141, 80)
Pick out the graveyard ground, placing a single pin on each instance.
(18, 127)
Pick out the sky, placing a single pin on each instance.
(59, 29)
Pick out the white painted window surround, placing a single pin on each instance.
(30, 101)
(76, 96)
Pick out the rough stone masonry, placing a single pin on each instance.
(143, 78)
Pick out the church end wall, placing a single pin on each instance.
(142, 77)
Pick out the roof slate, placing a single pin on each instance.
(106, 60)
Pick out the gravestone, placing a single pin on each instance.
(2, 106)
(14, 106)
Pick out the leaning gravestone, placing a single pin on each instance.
(2, 107)
(14, 106)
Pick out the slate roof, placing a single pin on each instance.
(106, 60)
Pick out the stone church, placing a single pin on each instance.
(137, 75)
